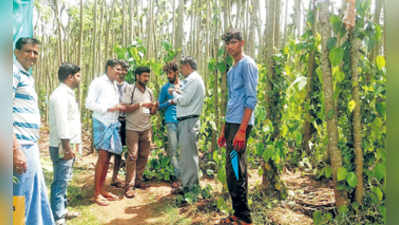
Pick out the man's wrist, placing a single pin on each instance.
(242, 130)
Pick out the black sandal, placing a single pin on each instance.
(117, 184)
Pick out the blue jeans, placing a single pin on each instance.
(32, 188)
(62, 175)
(172, 147)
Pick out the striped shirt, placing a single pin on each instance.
(25, 111)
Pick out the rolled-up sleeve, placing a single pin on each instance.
(250, 81)
(91, 100)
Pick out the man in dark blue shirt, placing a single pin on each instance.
(168, 107)
(242, 80)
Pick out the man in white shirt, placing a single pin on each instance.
(103, 100)
(65, 137)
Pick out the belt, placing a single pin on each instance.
(186, 117)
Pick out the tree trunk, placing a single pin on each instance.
(307, 135)
(107, 29)
(178, 40)
(79, 61)
(329, 105)
(276, 23)
(297, 17)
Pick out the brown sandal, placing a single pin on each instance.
(228, 220)
(130, 193)
(240, 222)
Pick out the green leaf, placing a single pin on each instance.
(377, 191)
(341, 174)
(220, 52)
(336, 56)
(327, 172)
(351, 105)
(379, 171)
(331, 43)
(380, 107)
(343, 210)
(351, 179)
(380, 62)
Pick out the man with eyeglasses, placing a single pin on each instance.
(103, 100)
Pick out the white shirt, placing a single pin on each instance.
(102, 95)
(64, 116)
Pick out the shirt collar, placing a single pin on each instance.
(67, 88)
(21, 68)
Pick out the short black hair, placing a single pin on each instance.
(190, 61)
(170, 66)
(142, 69)
(232, 34)
(124, 64)
(112, 63)
(67, 69)
(26, 40)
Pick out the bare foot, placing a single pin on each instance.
(109, 196)
(99, 200)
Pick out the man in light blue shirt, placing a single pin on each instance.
(189, 99)
(168, 108)
(242, 80)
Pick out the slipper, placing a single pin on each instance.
(117, 184)
(240, 222)
(130, 193)
(228, 220)
(99, 200)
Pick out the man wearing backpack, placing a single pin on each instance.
(140, 105)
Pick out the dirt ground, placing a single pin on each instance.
(150, 206)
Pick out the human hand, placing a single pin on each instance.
(239, 140)
(222, 140)
(113, 109)
(147, 104)
(19, 160)
(69, 155)
(121, 107)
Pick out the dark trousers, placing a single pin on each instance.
(238, 189)
(122, 131)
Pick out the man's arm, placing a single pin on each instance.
(250, 75)
(187, 94)
(92, 96)
(163, 103)
(132, 107)
(60, 108)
